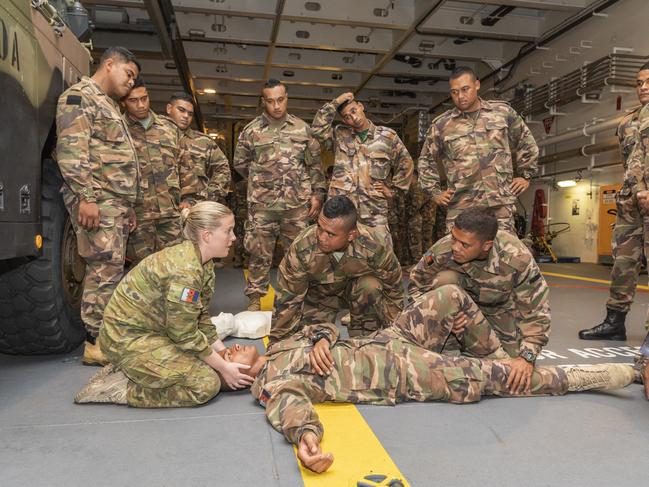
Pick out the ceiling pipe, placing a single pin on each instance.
(587, 130)
(583, 151)
(400, 42)
(279, 9)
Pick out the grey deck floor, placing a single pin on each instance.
(579, 440)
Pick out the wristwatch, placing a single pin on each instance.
(528, 355)
(319, 336)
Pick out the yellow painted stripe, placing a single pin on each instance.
(356, 449)
(587, 279)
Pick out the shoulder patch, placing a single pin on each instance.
(429, 259)
(73, 100)
(189, 295)
(264, 397)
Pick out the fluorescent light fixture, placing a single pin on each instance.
(567, 183)
(209, 91)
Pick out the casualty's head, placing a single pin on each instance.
(180, 109)
(209, 225)
(137, 102)
(118, 69)
(473, 234)
(245, 355)
(353, 114)
(642, 84)
(464, 86)
(274, 97)
(336, 226)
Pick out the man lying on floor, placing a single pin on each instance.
(393, 365)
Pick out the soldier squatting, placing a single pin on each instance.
(144, 189)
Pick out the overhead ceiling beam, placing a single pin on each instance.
(552, 5)
(279, 8)
(158, 21)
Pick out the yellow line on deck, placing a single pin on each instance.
(587, 279)
(356, 449)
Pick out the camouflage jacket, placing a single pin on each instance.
(382, 157)
(507, 287)
(627, 134)
(165, 296)
(305, 266)
(637, 172)
(94, 149)
(206, 175)
(380, 369)
(477, 156)
(282, 164)
(159, 156)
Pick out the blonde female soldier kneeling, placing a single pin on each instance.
(157, 334)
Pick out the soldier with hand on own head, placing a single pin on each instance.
(371, 162)
(476, 143)
(99, 165)
(337, 259)
(279, 157)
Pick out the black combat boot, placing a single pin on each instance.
(612, 328)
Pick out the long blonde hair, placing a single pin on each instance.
(205, 215)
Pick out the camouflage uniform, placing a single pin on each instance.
(382, 157)
(414, 222)
(477, 158)
(310, 284)
(429, 218)
(240, 215)
(507, 287)
(281, 161)
(156, 209)
(98, 162)
(157, 329)
(394, 365)
(397, 225)
(205, 172)
(628, 235)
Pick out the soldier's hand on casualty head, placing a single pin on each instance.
(520, 375)
(234, 378)
(519, 185)
(316, 205)
(320, 357)
(88, 215)
(344, 97)
(310, 453)
(444, 199)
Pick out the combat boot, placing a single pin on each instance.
(599, 377)
(254, 302)
(612, 328)
(92, 354)
(107, 386)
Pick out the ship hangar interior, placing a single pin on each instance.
(567, 66)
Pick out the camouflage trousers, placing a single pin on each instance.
(104, 252)
(263, 228)
(414, 229)
(428, 217)
(628, 247)
(163, 376)
(504, 214)
(151, 236)
(364, 297)
(430, 376)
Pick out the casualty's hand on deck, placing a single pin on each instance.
(310, 453)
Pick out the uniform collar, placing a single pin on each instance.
(266, 122)
(484, 105)
(494, 259)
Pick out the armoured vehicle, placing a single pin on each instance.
(41, 274)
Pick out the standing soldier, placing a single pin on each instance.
(205, 173)
(414, 221)
(500, 275)
(286, 186)
(240, 208)
(429, 218)
(474, 142)
(628, 236)
(370, 162)
(157, 207)
(99, 165)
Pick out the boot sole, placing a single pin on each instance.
(614, 338)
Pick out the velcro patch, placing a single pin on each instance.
(429, 260)
(73, 100)
(263, 399)
(189, 295)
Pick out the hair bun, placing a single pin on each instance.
(184, 214)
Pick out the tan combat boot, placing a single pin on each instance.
(254, 302)
(599, 377)
(106, 386)
(92, 355)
